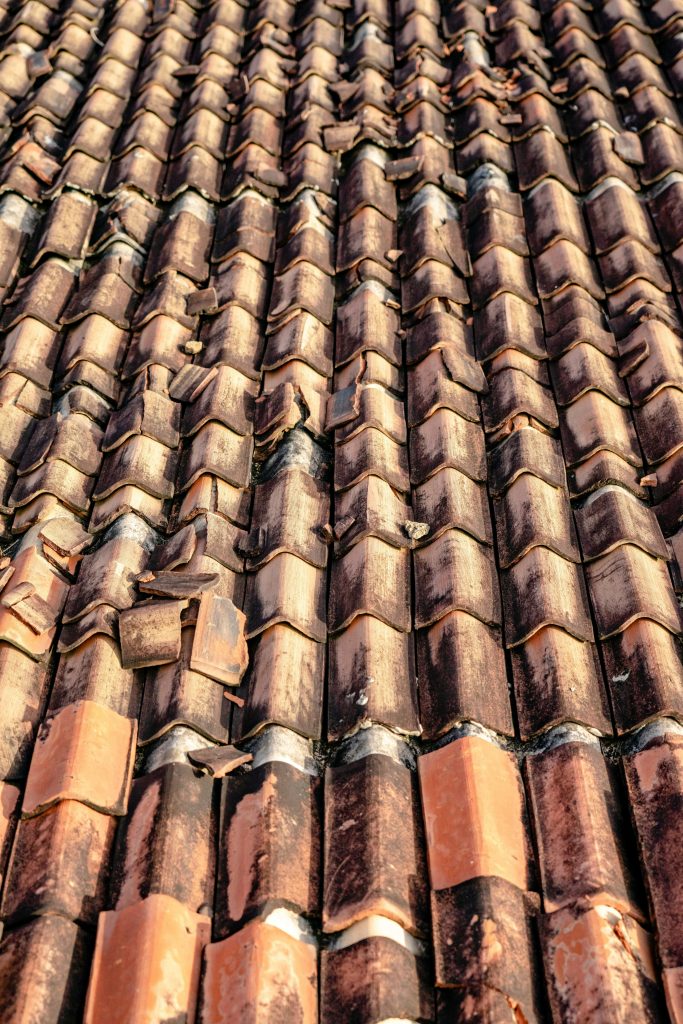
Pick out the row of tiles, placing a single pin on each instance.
(270, 854)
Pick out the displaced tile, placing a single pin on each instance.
(150, 633)
(219, 647)
(175, 695)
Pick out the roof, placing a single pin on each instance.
(341, 439)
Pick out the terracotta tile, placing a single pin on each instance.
(371, 578)
(375, 978)
(455, 573)
(433, 235)
(650, 360)
(627, 584)
(533, 513)
(226, 397)
(72, 748)
(453, 656)
(599, 963)
(283, 685)
(492, 809)
(21, 705)
(602, 469)
(598, 156)
(544, 589)
(371, 679)
(44, 971)
(581, 829)
(644, 670)
(444, 330)
(434, 384)
(614, 212)
(506, 320)
(371, 453)
(557, 678)
(446, 439)
(288, 513)
(147, 413)
(166, 844)
(68, 226)
(542, 156)
(377, 409)
(303, 337)
(500, 270)
(582, 369)
(269, 849)
(525, 451)
(479, 910)
(175, 695)
(614, 518)
(475, 1003)
(10, 802)
(259, 970)
(495, 226)
(657, 424)
(653, 777)
(150, 633)
(578, 324)
(59, 864)
(553, 215)
(371, 808)
(141, 461)
(451, 499)
(157, 935)
(594, 423)
(286, 589)
(367, 321)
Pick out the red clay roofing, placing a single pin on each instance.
(341, 511)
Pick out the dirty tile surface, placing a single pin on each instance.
(341, 511)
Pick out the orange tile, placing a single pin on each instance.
(260, 973)
(85, 752)
(482, 832)
(146, 964)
